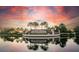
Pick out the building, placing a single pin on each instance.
(40, 35)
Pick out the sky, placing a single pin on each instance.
(18, 16)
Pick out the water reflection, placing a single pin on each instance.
(61, 41)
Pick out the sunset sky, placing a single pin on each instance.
(18, 16)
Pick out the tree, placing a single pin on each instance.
(62, 28)
(10, 34)
(56, 28)
(76, 30)
(45, 24)
(35, 24)
(30, 24)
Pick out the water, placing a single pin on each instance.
(69, 46)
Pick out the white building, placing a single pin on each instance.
(40, 35)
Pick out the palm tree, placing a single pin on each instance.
(56, 28)
(30, 24)
(35, 24)
(45, 24)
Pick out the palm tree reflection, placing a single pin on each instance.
(32, 47)
(44, 47)
(56, 41)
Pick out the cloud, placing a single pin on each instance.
(54, 14)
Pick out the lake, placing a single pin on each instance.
(70, 46)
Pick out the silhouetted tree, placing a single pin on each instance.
(63, 28)
(76, 30)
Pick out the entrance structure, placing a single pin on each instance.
(40, 36)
